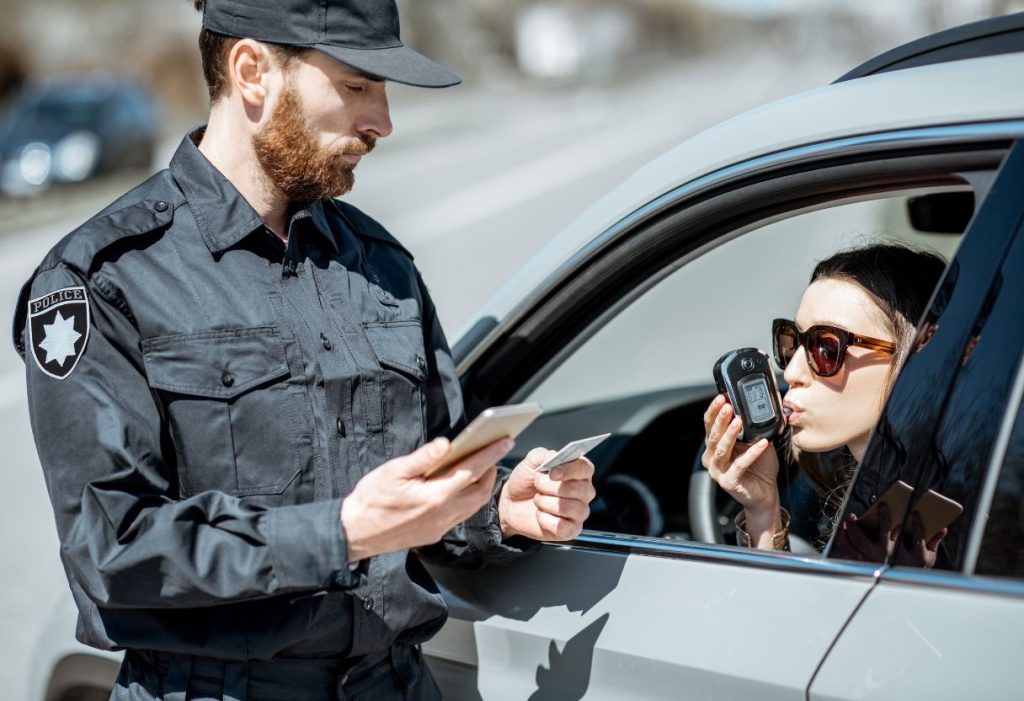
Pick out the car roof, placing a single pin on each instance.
(987, 37)
(952, 92)
(95, 86)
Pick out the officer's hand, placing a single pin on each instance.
(395, 507)
(546, 506)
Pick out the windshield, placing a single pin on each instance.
(75, 109)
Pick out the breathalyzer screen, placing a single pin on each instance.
(755, 392)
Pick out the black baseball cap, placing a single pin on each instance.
(363, 34)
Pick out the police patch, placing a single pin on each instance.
(58, 329)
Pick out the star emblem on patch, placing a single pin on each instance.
(58, 327)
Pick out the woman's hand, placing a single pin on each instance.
(916, 551)
(854, 543)
(747, 473)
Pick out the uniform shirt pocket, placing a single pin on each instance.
(398, 346)
(234, 419)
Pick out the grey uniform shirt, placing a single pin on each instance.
(203, 397)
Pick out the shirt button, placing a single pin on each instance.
(227, 379)
(326, 342)
(368, 604)
(161, 206)
(421, 362)
(341, 427)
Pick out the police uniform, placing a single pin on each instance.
(203, 397)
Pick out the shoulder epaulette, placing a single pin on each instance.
(147, 208)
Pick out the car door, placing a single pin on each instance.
(637, 609)
(955, 631)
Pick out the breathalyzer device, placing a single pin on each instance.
(745, 377)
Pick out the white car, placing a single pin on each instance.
(614, 327)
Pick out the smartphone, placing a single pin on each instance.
(897, 498)
(491, 425)
(936, 512)
(572, 451)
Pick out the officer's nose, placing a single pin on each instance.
(376, 120)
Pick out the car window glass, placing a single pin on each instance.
(131, 107)
(139, 106)
(71, 108)
(724, 299)
(645, 376)
(939, 431)
(119, 114)
(1002, 546)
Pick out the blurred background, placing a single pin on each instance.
(562, 100)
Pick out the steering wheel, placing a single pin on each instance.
(708, 523)
(626, 505)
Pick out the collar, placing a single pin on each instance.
(321, 224)
(223, 216)
(360, 224)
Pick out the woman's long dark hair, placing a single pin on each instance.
(900, 280)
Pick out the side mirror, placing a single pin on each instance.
(941, 212)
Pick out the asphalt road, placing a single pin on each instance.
(473, 182)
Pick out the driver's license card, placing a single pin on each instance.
(572, 451)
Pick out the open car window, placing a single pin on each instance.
(725, 299)
(645, 374)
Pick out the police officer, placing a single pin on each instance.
(237, 383)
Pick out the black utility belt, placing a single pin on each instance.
(176, 677)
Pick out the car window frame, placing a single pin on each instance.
(858, 163)
(795, 174)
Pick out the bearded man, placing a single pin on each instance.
(238, 385)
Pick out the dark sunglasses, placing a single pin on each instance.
(824, 345)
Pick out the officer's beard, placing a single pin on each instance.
(292, 160)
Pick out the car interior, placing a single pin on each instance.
(643, 372)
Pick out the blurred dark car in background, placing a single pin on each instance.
(70, 130)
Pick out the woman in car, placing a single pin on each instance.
(853, 330)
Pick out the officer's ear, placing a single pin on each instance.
(250, 68)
